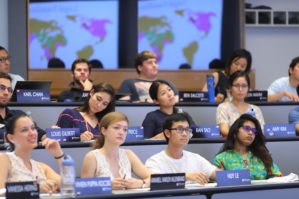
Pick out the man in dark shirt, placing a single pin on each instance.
(81, 84)
(5, 96)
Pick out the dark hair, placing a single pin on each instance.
(293, 63)
(105, 122)
(185, 66)
(55, 62)
(141, 57)
(237, 54)
(5, 76)
(102, 87)
(10, 127)
(238, 74)
(258, 146)
(77, 61)
(216, 64)
(2, 48)
(176, 117)
(95, 63)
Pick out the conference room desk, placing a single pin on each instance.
(256, 191)
(283, 150)
(46, 114)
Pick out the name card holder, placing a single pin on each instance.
(206, 131)
(24, 190)
(37, 95)
(64, 134)
(167, 181)
(194, 96)
(257, 96)
(279, 130)
(92, 186)
(135, 133)
(233, 177)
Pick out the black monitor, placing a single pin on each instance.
(32, 85)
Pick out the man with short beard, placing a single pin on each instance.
(5, 96)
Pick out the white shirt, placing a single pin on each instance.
(15, 78)
(188, 163)
(280, 85)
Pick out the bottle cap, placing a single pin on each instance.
(67, 161)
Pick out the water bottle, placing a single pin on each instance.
(211, 88)
(67, 174)
(251, 112)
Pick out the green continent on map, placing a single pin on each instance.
(72, 18)
(157, 31)
(86, 52)
(48, 34)
(189, 51)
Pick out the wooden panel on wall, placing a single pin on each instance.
(184, 80)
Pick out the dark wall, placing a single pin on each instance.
(17, 36)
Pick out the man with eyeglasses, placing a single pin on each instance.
(5, 66)
(5, 96)
(174, 159)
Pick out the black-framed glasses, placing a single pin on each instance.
(180, 130)
(3, 88)
(4, 59)
(240, 86)
(248, 128)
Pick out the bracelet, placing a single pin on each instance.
(58, 157)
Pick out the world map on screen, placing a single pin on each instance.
(181, 31)
(71, 30)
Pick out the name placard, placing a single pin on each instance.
(233, 177)
(279, 130)
(257, 96)
(167, 181)
(33, 95)
(2, 131)
(194, 96)
(64, 134)
(27, 190)
(206, 131)
(135, 133)
(92, 186)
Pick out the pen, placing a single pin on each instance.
(124, 176)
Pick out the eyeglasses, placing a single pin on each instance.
(240, 86)
(180, 130)
(4, 59)
(3, 88)
(248, 128)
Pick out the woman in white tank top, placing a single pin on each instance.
(17, 166)
(108, 160)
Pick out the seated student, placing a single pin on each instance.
(17, 166)
(5, 67)
(161, 93)
(245, 148)
(240, 60)
(5, 96)
(294, 118)
(174, 159)
(147, 69)
(109, 160)
(100, 101)
(284, 88)
(81, 70)
(228, 112)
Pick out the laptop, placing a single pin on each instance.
(32, 85)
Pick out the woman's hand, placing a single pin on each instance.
(133, 183)
(48, 186)
(118, 183)
(52, 147)
(86, 136)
